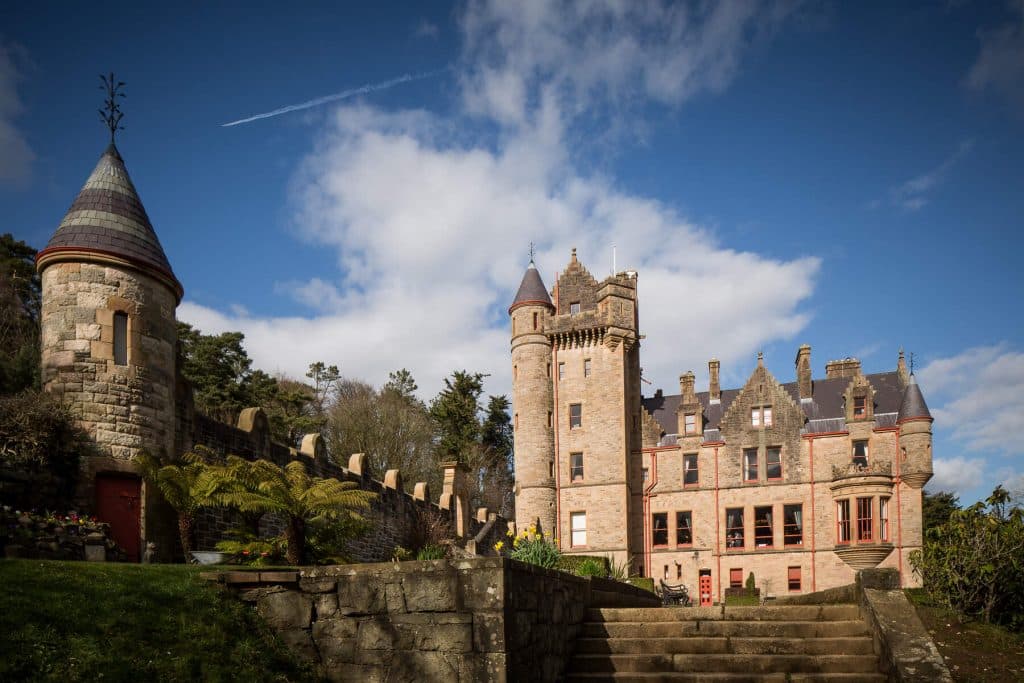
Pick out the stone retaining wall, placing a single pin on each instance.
(486, 619)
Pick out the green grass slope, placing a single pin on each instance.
(77, 621)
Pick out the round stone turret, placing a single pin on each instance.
(915, 423)
(532, 403)
(108, 320)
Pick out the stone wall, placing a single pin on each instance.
(397, 518)
(488, 619)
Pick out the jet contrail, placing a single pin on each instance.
(344, 94)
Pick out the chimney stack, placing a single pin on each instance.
(847, 367)
(686, 388)
(901, 369)
(715, 390)
(803, 371)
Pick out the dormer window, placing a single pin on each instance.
(574, 308)
(860, 406)
(690, 423)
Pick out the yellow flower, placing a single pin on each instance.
(509, 533)
(499, 545)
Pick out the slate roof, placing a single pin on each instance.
(531, 289)
(825, 412)
(107, 217)
(913, 404)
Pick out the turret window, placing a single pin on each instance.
(842, 521)
(120, 338)
(865, 526)
(535, 320)
(883, 519)
(575, 415)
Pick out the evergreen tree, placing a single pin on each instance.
(20, 297)
(936, 508)
(456, 410)
(497, 474)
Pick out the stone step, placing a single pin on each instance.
(677, 629)
(711, 677)
(762, 613)
(724, 663)
(725, 645)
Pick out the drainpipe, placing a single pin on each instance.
(555, 425)
(899, 509)
(718, 546)
(647, 512)
(814, 563)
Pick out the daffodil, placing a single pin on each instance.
(499, 545)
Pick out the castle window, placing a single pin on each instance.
(773, 463)
(684, 528)
(575, 415)
(690, 474)
(659, 529)
(515, 372)
(690, 423)
(549, 369)
(864, 522)
(551, 470)
(755, 417)
(120, 338)
(517, 421)
(561, 371)
(736, 577)
(793, 524)
(535, 320)
(860, 453)
(883, 519)
(586, 367)
(766, 416)
(764, 531)
(574, 308)
(551, 422)
(860, 406)
(576, 466)
(842, 521)
(794, 576)
(734, 528)
(750, 464)
(578, 529)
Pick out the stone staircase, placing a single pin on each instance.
(798, 643)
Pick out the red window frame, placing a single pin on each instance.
(575, 421)
(764, 527)
(735, 538)
(768, 462)
(861, 460)
(794, 576)
(792, 533)
(659, 529)
(883, 519)
(843, 522)
(576, 468)
(684, 525)
(865, 521)
(860, 406)
(688, 470)
(750, 474)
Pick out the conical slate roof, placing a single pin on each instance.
(531, 290)
(913, 402)
(108, 224)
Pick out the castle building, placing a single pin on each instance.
(799, 483)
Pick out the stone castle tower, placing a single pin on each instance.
(576, 390)
(109, 333)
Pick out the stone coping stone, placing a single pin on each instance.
(248, 578)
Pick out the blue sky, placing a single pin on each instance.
(846, 175)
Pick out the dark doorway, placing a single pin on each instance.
(118, 503)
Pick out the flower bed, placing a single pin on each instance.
(51, 536)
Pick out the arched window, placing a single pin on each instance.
(120, 338)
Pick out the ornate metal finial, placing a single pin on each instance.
(531, 252)
(911, 362)
(111, 113)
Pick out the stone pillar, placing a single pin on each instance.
(455, 495)
(715, 388)
(803, 371)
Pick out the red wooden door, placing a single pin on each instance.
(118, 503)
(705, 590)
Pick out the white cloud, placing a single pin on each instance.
(913, 194)
(16, 156)
(1000, 63)
(978, 395)
(430, 224)
(427, 29)
(957, 474)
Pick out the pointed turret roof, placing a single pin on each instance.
(108, 224)
(531, 290)
(913, 405)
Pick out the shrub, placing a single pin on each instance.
(592, 567)
(244, 548)
(751, 584)
(431, 552)
(578, 564)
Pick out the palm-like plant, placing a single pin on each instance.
(186, 487)
(289, 491)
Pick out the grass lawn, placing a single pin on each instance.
(974, 652)
(79, 621)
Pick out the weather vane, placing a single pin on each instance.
(111, 114)
(531, 252)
